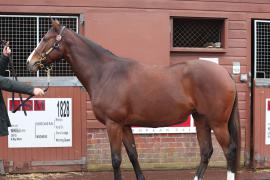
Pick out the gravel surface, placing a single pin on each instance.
(211, 174)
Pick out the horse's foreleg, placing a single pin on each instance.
(129, 142)
(206, 148)
(115, 134)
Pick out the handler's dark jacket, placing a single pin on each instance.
(12, 86)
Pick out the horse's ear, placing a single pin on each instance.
(51, 19)
(55, 24)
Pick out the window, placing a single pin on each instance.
(24, 33)
(262, 49)
(197, 33)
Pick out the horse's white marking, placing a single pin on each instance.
(196, 178)
(30, 57)
(230, 175)
(32, 54)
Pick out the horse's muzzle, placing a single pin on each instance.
(32, 67)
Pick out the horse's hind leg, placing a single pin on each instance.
(115, 134)
(205, 143)
(129, 142)
(229, 148)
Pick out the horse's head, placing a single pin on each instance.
(49, 49)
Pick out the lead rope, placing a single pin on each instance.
(14, 77)
(48, 71)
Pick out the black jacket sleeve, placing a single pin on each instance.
(12, 85)
(3, 64)
(15, 86)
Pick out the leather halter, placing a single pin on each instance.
(44, 56)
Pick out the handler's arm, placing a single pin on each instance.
(15, 86)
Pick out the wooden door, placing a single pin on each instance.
(261, 94)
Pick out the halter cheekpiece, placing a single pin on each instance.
(56, 45)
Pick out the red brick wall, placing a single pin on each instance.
(167, 151)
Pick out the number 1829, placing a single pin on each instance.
(63, 108)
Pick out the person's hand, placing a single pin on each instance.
(6, 51)
(38, 92)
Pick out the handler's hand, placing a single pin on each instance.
(38, 92)
(6, 51)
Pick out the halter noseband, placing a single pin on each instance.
(44, 56)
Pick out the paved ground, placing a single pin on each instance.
(212, 174)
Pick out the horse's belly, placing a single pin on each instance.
(156, 122)
(161, 110)
(159, 118)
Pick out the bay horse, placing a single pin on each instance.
(126, 93)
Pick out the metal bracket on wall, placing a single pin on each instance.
(82, 19)
(2, 169)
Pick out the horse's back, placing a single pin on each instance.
(210, 74)
(203, 75)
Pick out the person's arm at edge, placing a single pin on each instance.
(15, 86)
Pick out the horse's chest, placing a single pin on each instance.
(109, 107)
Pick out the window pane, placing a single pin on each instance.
(262, 49)
(21, 33)
(197, 33)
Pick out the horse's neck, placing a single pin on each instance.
(86, 60)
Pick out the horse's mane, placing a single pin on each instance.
(101, 50)
(97, 47)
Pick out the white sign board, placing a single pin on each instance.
(267, 122)
(186, 127)
(214, 60)
(48, 123)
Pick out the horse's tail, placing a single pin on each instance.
(235, 134)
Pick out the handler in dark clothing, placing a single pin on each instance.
(12, 86)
